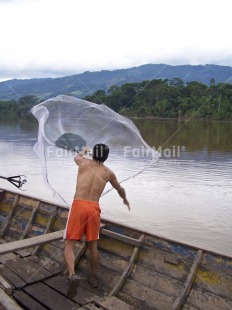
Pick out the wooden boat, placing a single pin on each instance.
(137, 271)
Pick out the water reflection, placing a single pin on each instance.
(194, 136)
(19, 129)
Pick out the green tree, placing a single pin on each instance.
(212, 82)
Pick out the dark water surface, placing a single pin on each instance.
(186, 195)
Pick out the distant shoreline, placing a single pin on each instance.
(178, 119)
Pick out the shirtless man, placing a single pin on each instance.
(84, 215)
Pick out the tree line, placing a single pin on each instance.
(19, 108)
(169, 99)
(155, 98)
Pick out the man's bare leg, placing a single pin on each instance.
(93, 262)
(73, 280)
(69, 256)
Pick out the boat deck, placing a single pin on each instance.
(41, 284)
(137, 270)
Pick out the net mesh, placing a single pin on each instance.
(69, 123)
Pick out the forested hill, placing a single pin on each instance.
(87, 83)
(155, 98)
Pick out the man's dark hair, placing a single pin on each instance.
(100, 152)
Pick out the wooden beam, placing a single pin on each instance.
(33, 241)
(123, 238)
(5, 286)
(189, 281)
(8, 303)
(30, 222)
(127, 270)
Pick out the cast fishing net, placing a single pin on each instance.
(66, 124)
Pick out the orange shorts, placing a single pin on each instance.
(83, 218)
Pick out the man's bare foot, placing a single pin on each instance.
(72, 286)
(93, 281)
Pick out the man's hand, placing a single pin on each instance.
(126, 202)
(85, 149)
(80, 156)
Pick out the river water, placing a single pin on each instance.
(185, 196)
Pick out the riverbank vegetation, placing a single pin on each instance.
(169, 99)
(19, 108)
(155, 98)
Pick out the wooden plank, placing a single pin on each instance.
(11, 277)
(7, 288)
(170, 259)
(21, 217)
(26, 243)
(207, 301)
(27, 302)
(113, 261)
(48, 264)
(59, 283)
(121, 229)
(27, 270)
(40, 269)
(24, 252)
(9, 217)
(49, 297)
(8, 303)
(112, 303)
(6, 257)
(156, 280)
(115, 246)
(52, 252)
(5, 209)
(48, 229)
(43, 217)
(189, 281)
(156, 261)
(127, 270)
(13, 233)
(61, 219)
(150, 298)
(106, 276)
(213, 281)
(59, 244)
(169, 247)
(217, 263)
(123, 238)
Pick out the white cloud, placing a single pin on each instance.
(70, 36)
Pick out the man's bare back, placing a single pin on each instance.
(92, 178)
(84, 216)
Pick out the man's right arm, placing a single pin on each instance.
(80, 156)
(121, 191)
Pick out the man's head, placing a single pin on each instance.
(100, 152)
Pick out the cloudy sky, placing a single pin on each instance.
(50, 38)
